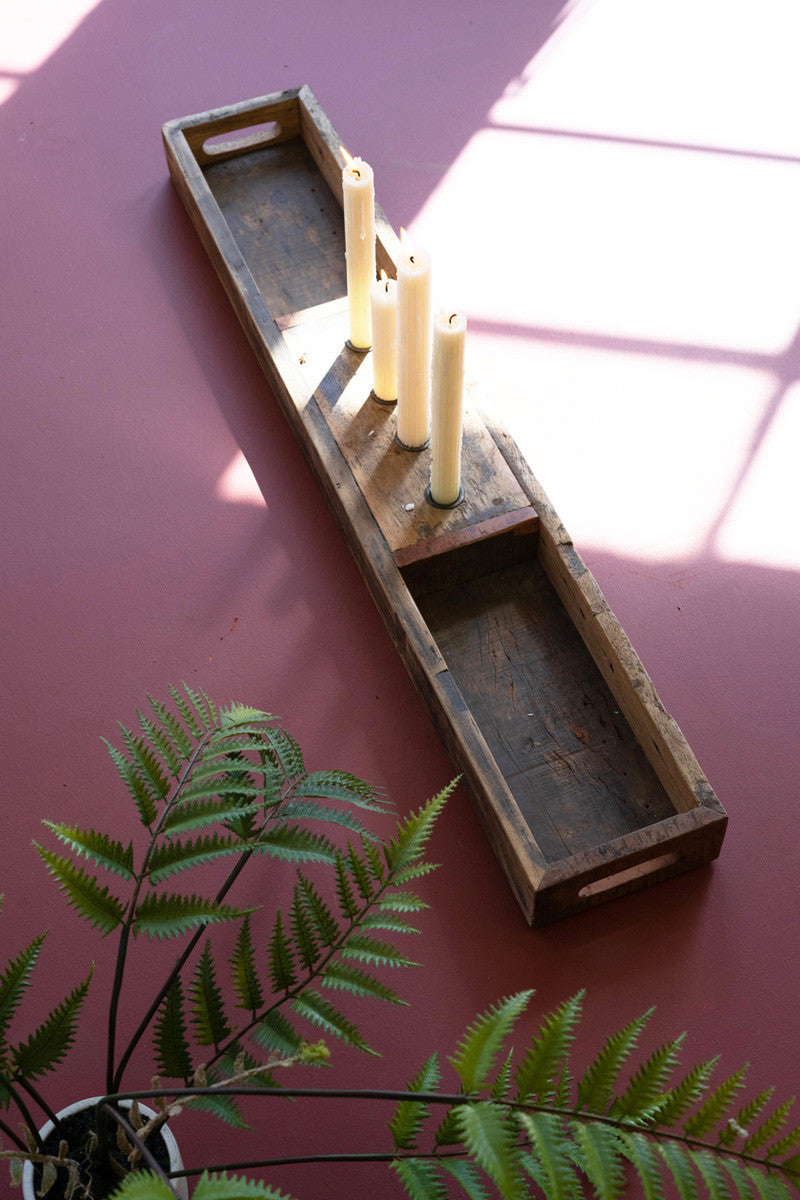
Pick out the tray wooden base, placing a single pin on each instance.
(584, 784)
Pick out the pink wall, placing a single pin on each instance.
(130, 391)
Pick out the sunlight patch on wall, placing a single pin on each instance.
(237, 484)
(25, 45)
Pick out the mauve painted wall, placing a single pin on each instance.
(130, 390)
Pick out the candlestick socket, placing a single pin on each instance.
(413, 449)
(357, 349)
(458, 500)
(380, 400)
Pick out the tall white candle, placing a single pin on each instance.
(447, 405)
(358, 195)
(383, 302)
(413, 345)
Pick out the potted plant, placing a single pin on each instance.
(211, 785)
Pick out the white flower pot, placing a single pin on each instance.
(180, 1186)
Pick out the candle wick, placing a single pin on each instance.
(355, 171)
(411, 258)
(450, 322)
(386, 286)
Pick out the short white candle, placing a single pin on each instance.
(413, 345)
(358, 195)
(447, 405)
(383, 300)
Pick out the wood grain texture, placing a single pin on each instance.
(583, 783)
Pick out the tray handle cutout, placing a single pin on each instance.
(250, 138)
(608, 884)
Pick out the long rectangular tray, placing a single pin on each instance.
(584, 784)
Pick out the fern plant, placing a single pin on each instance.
(532, 1125)
(209, 784)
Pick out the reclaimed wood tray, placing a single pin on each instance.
(584, 784)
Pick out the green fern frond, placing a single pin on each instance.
(203, 707)
(420, 1178)
(305, 937)
(535, 1074)
(715, 1107)
(242, 714)
(146, 1185)
(145, 760)
(96, 846)
(195, 727)
(232, 1187)
(502, 1084)
(284, 751)
(785, 1144)
(171, 1046)
(545, 1134)
(387, 922)
(641, 1153)
(168, 916)
(414, 833)
(414, 872)
(344, 890)
(319, 1012)
(207, 1007)
(327, 928)
(142, 795)
(679, 1100)
(477, 1054)
(489, 1136)
(276, 1034)
(46, 1047)
(95, 904)
(169, 858)
(363, 876)
(448, 1132)
(247, 986)
(374, 860)
(282, 968)
(14, 982)
(409, 1115)
(225, 1108)
(600, 1158)
(645, 1092)
(182, 740)
(363, 948)
(679, 1163)
(199, 814)
(340, 785)
(161, 743)
(710, 1168)
(596, 1086)
(307, 810)
(292, 843)
(400, 901)
(344, 978)
(220, 783)
(466, 1175)
(738, 1125)
(769, 1128)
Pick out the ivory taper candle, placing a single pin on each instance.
(447, 407)
(383, 302)
(413, 345)
(358, 195)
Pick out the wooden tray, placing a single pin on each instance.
(585, 786)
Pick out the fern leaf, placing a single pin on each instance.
(284, 751)
(249, 993)
(448, 1132)
(48, 1045)
(182, 741)
(242, 714)
(198, 814)
(146, 762)
(386, 922)
(785, 1144)
(316, 1009)
(96, 846)
(362, 875)
(739, 1177)
(141, 793)
(340, 785)
(95, 904)
(502, 1083)
(420, 1178)
(305, 939)
(595, 1088)
(203, 707)
(305, 810)
(224, 1108)
(236, 1060)
(710, 1168)
(642, 1154)
(400, 901)
(600, 1158)
(14, 982)
(344, 978)
(645, 1092)
(230, 1187)
(409, 874)
(409, 1115)
(168, 916)
(146, 1185)
(466, 1176)
(208, 1011)
(535, 1074)
(363, 948)
(161, 744)
(414, 833)
(680, 1098)
(282, 968)
(490, 1139)
(374, 860)
(327, 928)
(475, 1058)
(715, 1106)
(679, 1163)
(768, 1128)
(544, 1132)
(292, 843)
(169, 858)
(218, 783)
(344, 890)
(171, 1046)
(275, 1033)
(737, 1126)
(195, 727)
